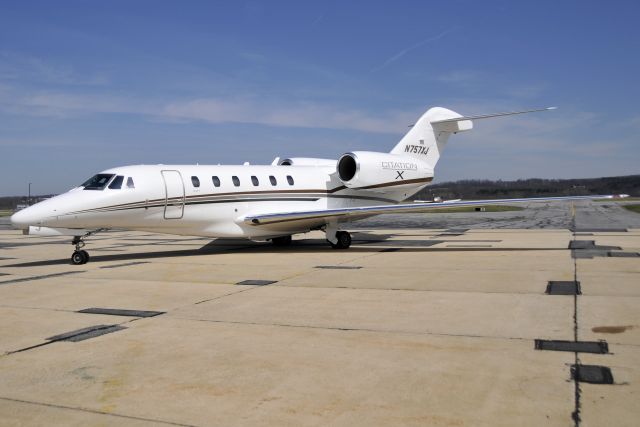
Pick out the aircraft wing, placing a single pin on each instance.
(352, 213)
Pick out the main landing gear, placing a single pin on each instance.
(79, 256)
(281, 241)
(343, 240)
(337, 239)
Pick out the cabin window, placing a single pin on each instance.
(97, 182)
(195, 181)
(116, 184)
(254, 181)
(273, 180)
(290, 179)
(130, 183)
(216, 181)
(236, 181)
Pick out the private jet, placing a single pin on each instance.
(260, 202)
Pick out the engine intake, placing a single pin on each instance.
(347, 167)
(377, 171)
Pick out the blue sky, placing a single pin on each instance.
(88, 85)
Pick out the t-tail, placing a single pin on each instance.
(427, 138)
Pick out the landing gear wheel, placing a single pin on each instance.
(344, 240)
(281, 241)
(79, 257)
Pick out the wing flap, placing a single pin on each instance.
(352, 213)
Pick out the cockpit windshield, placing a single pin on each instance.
(97, 182)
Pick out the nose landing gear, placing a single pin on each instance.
(79, 256)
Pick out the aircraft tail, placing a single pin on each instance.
(427, 138)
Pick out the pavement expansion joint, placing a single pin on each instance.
(127, 264)
(44, 276)
(93, 411)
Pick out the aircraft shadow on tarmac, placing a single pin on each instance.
(361, 244)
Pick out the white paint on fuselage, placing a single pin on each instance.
(209, 211)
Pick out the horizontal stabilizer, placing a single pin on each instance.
(488, 116)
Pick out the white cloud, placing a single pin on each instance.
(212, 110)
(16, 66)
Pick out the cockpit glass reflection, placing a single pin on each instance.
(97, 182)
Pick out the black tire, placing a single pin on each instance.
(86, 256)
(281, 241)
(78, 258)
(344, 240)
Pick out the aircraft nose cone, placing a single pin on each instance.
(18, 220)
(24, 218)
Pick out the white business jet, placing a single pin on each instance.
(270, 202)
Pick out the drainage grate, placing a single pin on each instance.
(559, 287)
(624, 254)
(257, 282)
(86, 333)
(587, 249)
(391, 250)
(582, 244)
(593, 374)
(597, 347)
(119, 312)
(338, 267)
(456, 230)
(600, 230)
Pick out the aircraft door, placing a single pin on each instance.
(174, 194)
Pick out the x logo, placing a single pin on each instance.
(399, 175)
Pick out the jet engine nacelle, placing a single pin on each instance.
(375, 171)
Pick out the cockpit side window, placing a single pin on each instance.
(116, 184)
(195, 181)
(130, 183)
(98, 182)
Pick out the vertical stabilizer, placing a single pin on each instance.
(427, 138)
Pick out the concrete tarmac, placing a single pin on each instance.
(430, 325)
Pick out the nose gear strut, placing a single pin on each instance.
(81, 256)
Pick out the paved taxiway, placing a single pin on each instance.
(411, 326)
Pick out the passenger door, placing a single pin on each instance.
(174, 194)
